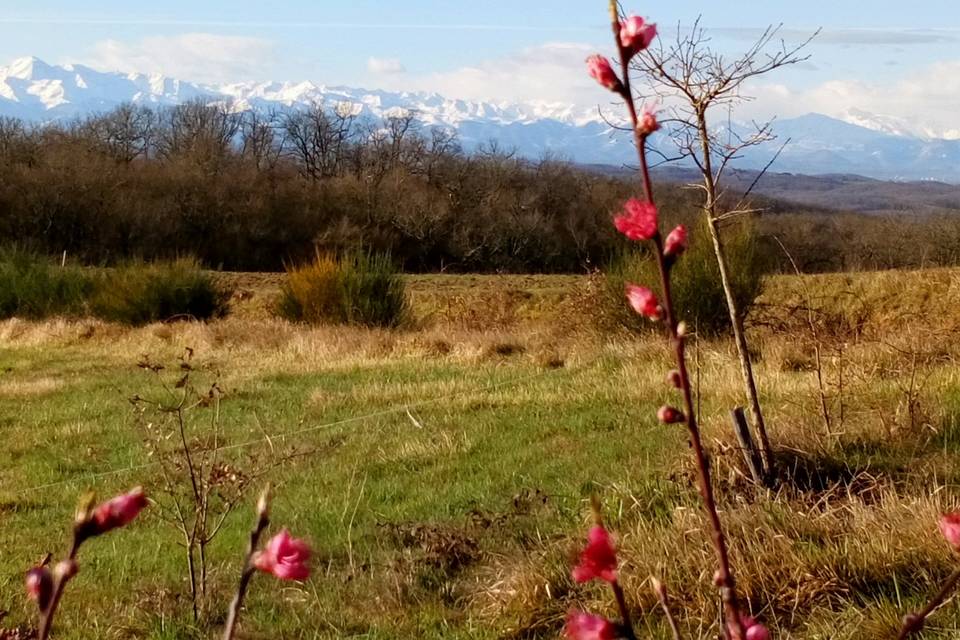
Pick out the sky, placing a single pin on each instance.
(881, 57)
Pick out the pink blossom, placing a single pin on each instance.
(585, 626)
(601, 71)
(644, 302)
(39, 586)
(119, 511)
(638, 220)
(950, 528)
(647, 121)
(636, 34)
(676, 242)
(598, 559)
(753, 629)
(670, 415)
(285, 557)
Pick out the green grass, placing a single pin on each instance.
(488, 433)
(496, 463)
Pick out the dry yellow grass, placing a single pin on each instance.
(840, 550)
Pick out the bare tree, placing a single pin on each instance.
(202, 131)
(318, 138)
(125, 133)
(16, 142)
(697, 83)
(259, 142)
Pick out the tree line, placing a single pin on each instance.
(255, 190)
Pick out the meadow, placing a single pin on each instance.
(442, 471)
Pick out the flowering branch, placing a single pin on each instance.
(47, 588)
(284, 557)
(639, 221)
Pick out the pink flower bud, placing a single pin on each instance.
(638, 220)
(676, 242)
(636, 34)
(674, 380)
(585, 626)
(753, 629)
(647, 121)
(118, 512)
(950, 528)
(39, 585)
(65, 570)
(670, 415)
(601, 71)
(758, 632)
(598, 559)
(644, 302)
(285, 557)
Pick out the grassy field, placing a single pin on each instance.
(443, 472)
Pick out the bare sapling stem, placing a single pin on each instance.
(263, 521)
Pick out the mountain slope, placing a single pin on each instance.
(885, 148)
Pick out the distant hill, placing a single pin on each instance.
(863, 144)
(837, 192)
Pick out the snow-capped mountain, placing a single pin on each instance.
(860, 143)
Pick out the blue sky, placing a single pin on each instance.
(880, 56)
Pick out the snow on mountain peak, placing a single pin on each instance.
(858, 142)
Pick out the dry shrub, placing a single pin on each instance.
(360, 288)
(311, 293)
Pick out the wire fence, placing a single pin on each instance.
(269, 438)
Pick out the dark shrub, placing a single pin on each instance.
(140, 293)
(35, 286)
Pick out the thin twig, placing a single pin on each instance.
(664, 599)
(914, 622)
(263, 520)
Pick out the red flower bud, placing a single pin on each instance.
(39, 585)
(644, 302)
(676, 242)
(647, 121)
(601, 71)
(112, 514)
(670, 415)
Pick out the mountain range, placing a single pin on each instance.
(860, 143)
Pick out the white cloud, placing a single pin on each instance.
(924, 100)
(385, 66)
(201, 57)
(553, 72)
